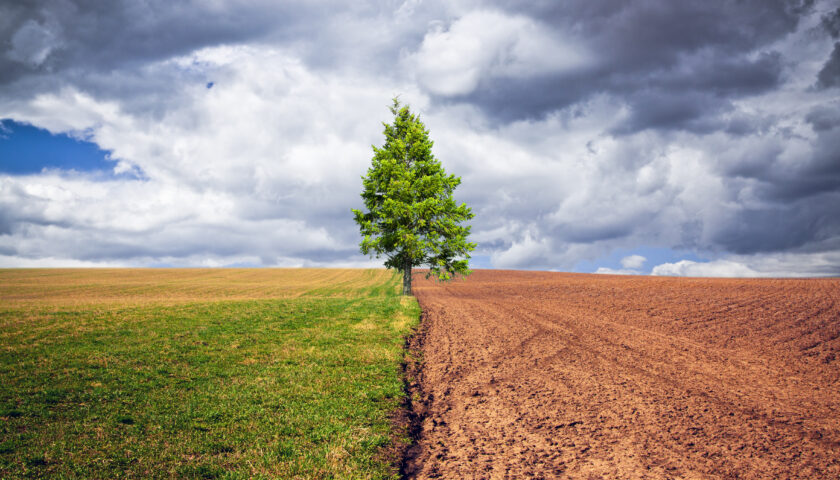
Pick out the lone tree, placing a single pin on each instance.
(411, 216)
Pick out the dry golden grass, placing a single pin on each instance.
(169, 286)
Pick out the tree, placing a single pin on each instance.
(411, 217)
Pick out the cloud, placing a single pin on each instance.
(631, 265)
(717, 268)
(633, 261)
(829, 75)
(783, 265)
(526, 252)
(620, 271)
(52, 262)
(221, 179)
(831, 23)
(579, 129)
(33, 43)
(698, 56)
(487, 44)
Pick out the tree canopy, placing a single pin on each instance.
(411, 217)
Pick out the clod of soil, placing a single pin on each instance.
(546, 375)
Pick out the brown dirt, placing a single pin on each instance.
(547, 375)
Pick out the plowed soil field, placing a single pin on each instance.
(551, 375)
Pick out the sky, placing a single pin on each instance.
(648, 137)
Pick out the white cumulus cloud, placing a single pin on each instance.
(620, 271)
(633, 261)
(717, 268)
(453, 60)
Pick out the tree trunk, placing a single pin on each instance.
(407, 277)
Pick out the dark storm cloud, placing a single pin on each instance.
(652, 33)
(824, 117)
(48, 36)
(5, 223)
(596, 231)
(681, 61)
(829, 76)
(831, 23)
(663, 110)
(800, 191)
(781, 228)
(815, 171)
(688, 96)
(51, 36)
(106, 48)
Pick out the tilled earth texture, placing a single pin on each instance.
(552, 375)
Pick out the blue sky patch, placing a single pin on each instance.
(654, 255)
(480, 261)
(25, 149)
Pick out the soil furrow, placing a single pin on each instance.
(548, 375)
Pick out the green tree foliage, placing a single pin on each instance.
(411, 217)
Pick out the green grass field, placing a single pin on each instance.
(200, 373)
